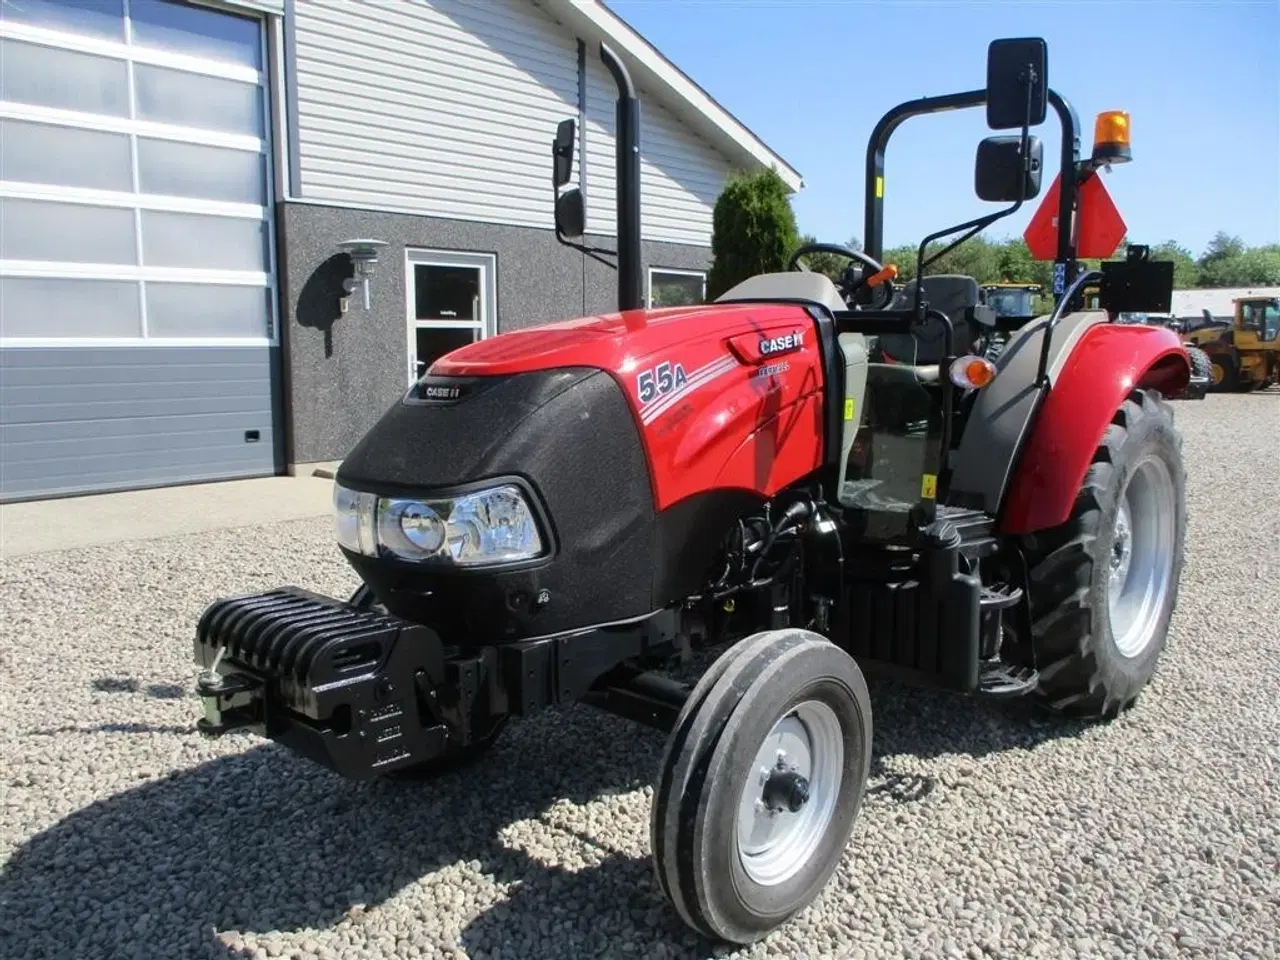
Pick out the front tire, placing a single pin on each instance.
(1224, 374)
(760, 784)
(1104, 585)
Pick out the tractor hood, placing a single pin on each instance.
(617, 342)
(632, 506)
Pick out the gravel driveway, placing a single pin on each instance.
(989, 831)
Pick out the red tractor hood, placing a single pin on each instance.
(726, 396)
(618, 342)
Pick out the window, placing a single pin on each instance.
(450, 300)
(676, 288)
(1270, 321)
(134, 174)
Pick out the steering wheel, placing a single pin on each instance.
(851, 280)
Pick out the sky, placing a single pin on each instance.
(1200, 78)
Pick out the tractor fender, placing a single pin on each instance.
(1108, 362)
(1000, 419)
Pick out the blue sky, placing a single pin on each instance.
(811, 77)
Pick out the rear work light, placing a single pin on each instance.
(972, 372)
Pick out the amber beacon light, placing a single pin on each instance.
(1111, 137)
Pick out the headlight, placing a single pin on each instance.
(487, 526)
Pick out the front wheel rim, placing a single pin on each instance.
(1141, 562)
(791, 793)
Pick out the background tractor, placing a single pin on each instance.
(1245, 356)
(831, 479)
(1012, 299)
(1201, 366)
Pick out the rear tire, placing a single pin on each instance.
(1201, 367)
(743, 839)
(1104, 585)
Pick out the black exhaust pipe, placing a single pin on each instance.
(630, 279)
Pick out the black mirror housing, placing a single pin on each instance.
(1011, 64)
(571, 214)
(562, 152)
(998, 171)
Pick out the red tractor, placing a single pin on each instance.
(831, 478)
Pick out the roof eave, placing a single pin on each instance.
(593, 21)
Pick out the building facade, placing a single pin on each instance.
(177, 181)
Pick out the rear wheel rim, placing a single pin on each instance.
(802, 755)
(1141, 566)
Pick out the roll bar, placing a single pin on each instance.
(1070, 167)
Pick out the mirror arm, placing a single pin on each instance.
(977, 227)
(589, 251)
(979, 224)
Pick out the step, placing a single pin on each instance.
(999, 596)
(1006, 680)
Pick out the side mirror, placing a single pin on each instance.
(562, 152)
(571, 214)
(998, 175)
(1013, 64)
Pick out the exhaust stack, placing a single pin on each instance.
(570, 206)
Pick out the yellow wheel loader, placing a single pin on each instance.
(1244, 355)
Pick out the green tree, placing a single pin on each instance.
(1186, 273)
(1223, 246)
(1227, 261)
(1259, 266)
(753, 230)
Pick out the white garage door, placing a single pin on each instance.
(137, 287)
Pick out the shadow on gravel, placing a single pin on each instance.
(160, 691)
(262, 841)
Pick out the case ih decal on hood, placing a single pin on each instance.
(783, 344)
(761, 345)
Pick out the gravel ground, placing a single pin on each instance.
(988, 832)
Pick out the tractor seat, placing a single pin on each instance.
(955, 295)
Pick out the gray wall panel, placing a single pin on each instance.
(342, 372)
(76, 419)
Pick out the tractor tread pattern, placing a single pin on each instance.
(1201, 365)
(685, 759)
(1061, 574)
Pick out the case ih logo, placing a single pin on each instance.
(784, 344)
(442, 392)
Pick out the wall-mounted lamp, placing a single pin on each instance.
(364, 254)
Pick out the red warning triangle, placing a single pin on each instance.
(1041, 234)
(1099, 226)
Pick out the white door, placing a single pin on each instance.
(450, 301)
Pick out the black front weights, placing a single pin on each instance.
(366, 693)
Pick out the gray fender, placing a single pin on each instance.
(1001, 418)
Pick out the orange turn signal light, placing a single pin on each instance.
(888, 273)
(972, 372)
(1111, 137)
